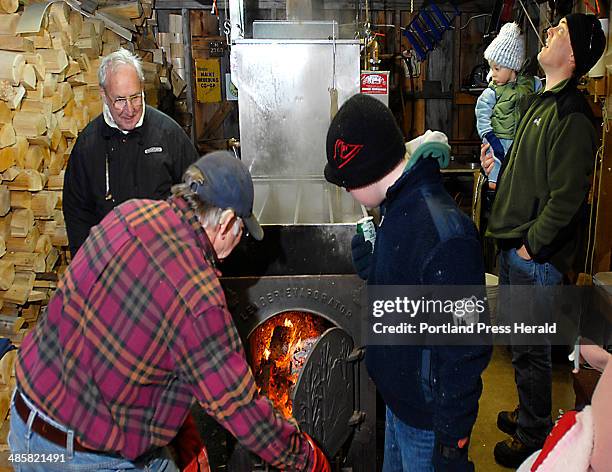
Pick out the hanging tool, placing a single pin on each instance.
(333, 91)
(426, 29)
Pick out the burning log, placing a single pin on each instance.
(280, 342)
(280, 349)
(273, 368)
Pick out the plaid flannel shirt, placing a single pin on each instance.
(138, 326)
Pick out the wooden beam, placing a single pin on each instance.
(189, 70)
(602, 260)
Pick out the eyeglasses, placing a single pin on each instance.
(120, 103)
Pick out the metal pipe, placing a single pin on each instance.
(236, 8)
(329, 205)
(298, 203)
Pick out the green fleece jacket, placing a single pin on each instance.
(541, 197)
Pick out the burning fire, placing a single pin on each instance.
(279, 349)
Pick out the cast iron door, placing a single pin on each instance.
(323, 398)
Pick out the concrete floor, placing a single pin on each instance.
(500, 394)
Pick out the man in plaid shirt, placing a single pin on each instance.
(138, 327)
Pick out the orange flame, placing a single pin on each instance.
(279, 348)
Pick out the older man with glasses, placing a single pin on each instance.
(130, 151)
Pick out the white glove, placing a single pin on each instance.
(426, 137)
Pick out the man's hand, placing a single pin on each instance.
(486, 158)
(190, 450)
(523, 254)
(452, 458)
(596, 356)
(320, 462)
(198, 464)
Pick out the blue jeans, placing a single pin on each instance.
(532, 364)
(22, 440)
(407, 449)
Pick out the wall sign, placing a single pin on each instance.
(208, 80)
(374, 82)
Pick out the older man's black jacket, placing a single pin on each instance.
(144, 163)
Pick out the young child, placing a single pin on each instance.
(496, 105)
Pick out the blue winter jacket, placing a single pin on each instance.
(424, 239)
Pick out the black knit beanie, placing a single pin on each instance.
(588, 41)
(364, 143)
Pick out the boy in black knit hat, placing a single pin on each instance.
(431, 392)
(539, 209)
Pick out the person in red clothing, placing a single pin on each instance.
(138, 328)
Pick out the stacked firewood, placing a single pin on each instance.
(171, 43)
(48, 93)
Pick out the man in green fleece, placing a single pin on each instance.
(539, 207)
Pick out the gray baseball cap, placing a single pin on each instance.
(228, 184)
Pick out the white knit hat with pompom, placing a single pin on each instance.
(508, 48)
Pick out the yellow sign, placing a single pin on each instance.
(208, 80)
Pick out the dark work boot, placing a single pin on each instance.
(507, 421)
(511, 452)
